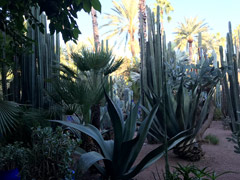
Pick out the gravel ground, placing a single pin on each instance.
(219, 158)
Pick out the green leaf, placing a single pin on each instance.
(142, 133)
(87, 6)
(96, 5)
(3, 3)
(76, 32)
(88, 159)
(8, 116)
(130, 123)
(93, 132)
(117, 121)
(154, 155)
(78, 2)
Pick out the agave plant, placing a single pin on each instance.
(186, 98)
(119, 155)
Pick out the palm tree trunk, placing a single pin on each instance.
(132, 44)
(190, 51)
(142, 13)
(3, 73)
(161, 19)
(95, 29)
(95, 115)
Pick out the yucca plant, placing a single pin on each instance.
(119, 155)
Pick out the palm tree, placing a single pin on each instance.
(212, 42)
(84, 86)
(165, 8)
(187, 32)
(124, 21)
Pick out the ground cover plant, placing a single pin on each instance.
(212, 139)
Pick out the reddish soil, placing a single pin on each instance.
(219, 158)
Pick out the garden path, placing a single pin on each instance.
(219, 158)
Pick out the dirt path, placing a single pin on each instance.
(219, 158)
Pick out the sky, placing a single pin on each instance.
(217, 13)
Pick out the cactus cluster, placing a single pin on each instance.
(230, 82)
(37, 67)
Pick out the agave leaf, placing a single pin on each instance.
(126, 152)
(142, 133)
(179, 115)
(93, 132)
(130, 124)
(154, 155)
(117, 121)
(204, 111)
(88, 159)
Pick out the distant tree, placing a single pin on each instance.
(62, 16)
(165, 8)
(124, 20)
(212, 42)
(236, 36)
(188, 31)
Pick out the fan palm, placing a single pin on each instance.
(188, 31)
(8, 116)
(124, 21)
(85, 86)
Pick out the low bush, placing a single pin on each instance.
(212, 139)
(49, 157)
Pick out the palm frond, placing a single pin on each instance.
(8, 116)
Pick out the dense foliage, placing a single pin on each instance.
(62, 16)
(49, 156)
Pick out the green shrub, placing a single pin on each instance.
(13, 156)
(212, 139)
(49, 157)
(217, 114)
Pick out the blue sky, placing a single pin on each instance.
(216, 13)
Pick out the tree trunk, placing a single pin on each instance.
(95, 115)
(142, 13)
(190, 51)
(207, 122)
(95, 29)
(161, 19)
(132, 44)
(4, 73)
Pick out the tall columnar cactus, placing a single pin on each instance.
(37, 66)
(154, 55)
(231, 88)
